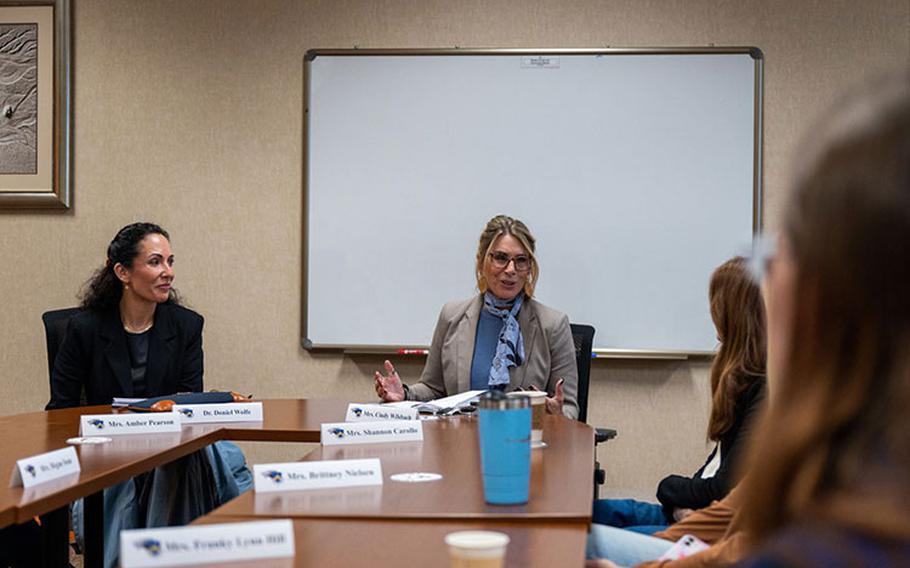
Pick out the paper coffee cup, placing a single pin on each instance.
(538, 409)
(477, 549)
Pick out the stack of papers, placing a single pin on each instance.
(446, 405)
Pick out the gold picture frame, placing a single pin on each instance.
(35, 105)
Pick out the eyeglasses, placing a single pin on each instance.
(501, 260)
(764, 249)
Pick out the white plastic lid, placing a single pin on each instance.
(536, 397)
(478, 544)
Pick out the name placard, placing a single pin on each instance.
(229, 412)
(364, 499)
(295, 476)
(338, 433)
(375, 412)
(206, 544)
(45, 467)
(117, 424)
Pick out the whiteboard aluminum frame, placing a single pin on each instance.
(757, 194)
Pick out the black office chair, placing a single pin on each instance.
(583, 337)
(55, 322)
(57, 522)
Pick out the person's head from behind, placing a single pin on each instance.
(506, 264)
(139, 267)
(738, 313)
(837, 443)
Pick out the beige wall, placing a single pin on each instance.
(188, 113)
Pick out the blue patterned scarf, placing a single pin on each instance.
(510, 351)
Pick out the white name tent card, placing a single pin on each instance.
(206, 544)
(45, 467)
(295, 476)
(229, 412)
(334, 434)
(374, 412)
(117, 424)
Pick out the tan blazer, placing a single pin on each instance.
(549, 353)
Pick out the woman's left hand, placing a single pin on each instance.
(680, 514)
(554, 403)
(389, 387)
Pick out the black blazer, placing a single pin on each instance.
(695, 492)
(95, 356)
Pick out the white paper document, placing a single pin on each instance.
(451, 402)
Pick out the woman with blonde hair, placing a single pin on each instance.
(737, 387)
(830, 480)
(501, 338)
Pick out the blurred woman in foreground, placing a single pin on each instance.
(834, 454)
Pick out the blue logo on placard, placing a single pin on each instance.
(274, 475)
(337, 432)
(31, 469)
(97, 423)
(152, 546)
(188, 412)
(357, 411)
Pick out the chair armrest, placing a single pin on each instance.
(603, 434)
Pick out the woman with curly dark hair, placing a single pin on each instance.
(133, 339)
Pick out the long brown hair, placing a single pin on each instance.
(836, 444)
(739, 318)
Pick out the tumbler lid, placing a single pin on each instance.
(496, 399)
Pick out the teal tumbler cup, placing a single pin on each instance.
(505, 447)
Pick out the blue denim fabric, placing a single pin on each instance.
(123, 507)
(232, 476)
(646, 529)
(625, 513)
(624, 547)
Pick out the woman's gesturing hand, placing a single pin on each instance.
(554, 403)
(388, 386)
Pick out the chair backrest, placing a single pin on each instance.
(583, 337)
(55, 322)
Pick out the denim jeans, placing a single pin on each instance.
(646, 518)
(173, 494)
(624, 547)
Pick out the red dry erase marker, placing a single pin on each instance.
(413, 351)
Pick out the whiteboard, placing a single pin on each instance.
(637, 170)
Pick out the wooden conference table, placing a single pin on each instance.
(561, 482)
(354, 543)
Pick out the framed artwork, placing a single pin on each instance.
(35, 105)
